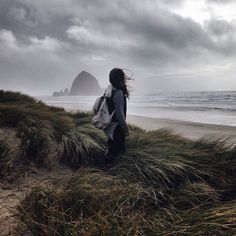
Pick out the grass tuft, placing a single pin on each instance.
(36, 138)
(88, 203)
(92, 202)
(81, 146)
(6, 160)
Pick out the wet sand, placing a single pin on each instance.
(186, 129)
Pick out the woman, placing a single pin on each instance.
(117, 93)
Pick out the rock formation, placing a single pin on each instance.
(85, 84)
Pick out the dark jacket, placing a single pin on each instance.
(117, 101)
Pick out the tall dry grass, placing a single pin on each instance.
(82, 146)
(6, 160)
(92, 202)
(163, 184)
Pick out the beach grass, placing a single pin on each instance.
(82, 146)
(163, 185)
(6, 160)
(93, 202)
(36, 138)
(9, 151)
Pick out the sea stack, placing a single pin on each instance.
(85, 84)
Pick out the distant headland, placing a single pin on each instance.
(84, 84)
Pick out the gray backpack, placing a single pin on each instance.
(102, 117)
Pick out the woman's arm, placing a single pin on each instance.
(118, 100)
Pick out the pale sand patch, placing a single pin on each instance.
(186, 129)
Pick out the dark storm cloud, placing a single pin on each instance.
(24, 19)
(164, 35)
(152, 34)
(220, 1)
(220, 27)
(52, 40)
(101, 21)
(223, 34)
(173, 2)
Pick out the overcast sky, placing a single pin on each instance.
(168, 45)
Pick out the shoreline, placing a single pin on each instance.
(191, 130)
(186, 129)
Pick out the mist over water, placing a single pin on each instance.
(203, 107)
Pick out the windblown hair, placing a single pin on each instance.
(118, 79)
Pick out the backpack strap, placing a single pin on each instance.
(110, 104)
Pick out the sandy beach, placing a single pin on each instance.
(186, 129)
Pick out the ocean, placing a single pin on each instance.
(203, 107)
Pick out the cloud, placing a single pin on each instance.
(96, 35)
(34, 44)
(223, 36)
(118, 24)
(85, 36)
(7, 38)
(220, 1)
(45, 44)
(18, 13)
(95, 38)
(220, 27)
